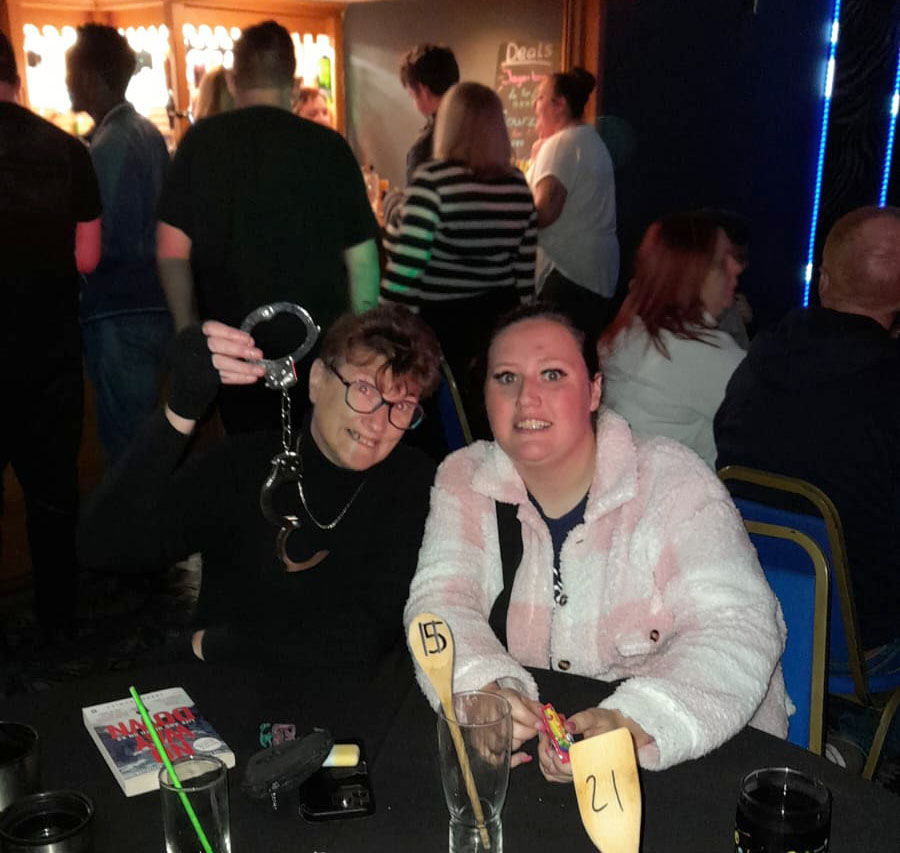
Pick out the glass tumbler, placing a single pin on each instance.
(205, 784)
(483, 731)
(782, 810)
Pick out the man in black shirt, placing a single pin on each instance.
(819, 399)
(263, 206)
(49, 232)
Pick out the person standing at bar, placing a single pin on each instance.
(310, 103)
(212, 95)
(125, 322)
(262, 206)
(49, 233)
(463, 251)
(571, 176)
(427, 72)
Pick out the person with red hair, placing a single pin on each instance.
(665, 363)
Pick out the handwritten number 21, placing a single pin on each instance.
(593, 779)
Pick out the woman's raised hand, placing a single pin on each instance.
(231, 348)
(201, 359)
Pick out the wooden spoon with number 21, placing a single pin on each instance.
(608, 790)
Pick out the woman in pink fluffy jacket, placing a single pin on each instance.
(628, 561)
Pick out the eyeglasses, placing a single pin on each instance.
(365, 398)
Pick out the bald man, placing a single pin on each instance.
(819, 399)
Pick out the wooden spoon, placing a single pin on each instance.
(608, 790)
(431, 643)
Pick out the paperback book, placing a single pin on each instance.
(127, 747)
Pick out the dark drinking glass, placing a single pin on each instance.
(782, 810)
(19, 770)
(51, 822)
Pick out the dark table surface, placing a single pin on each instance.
(687, 808)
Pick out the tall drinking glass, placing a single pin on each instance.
(484, 724)
(782, 810)
(205, 784)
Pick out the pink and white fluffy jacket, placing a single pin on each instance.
(663, 587)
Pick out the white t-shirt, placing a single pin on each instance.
(677, 396)
(582, 242)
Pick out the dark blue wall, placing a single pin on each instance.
(724, 107)
(858, 126)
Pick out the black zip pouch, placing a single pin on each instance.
(276, 771)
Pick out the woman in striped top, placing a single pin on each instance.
(463, 250)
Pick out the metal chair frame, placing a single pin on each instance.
(456, 398)
(886, 702)
(819, 634)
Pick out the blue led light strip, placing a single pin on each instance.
(823, 135)
(893, 109)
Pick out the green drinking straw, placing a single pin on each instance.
(176, 782)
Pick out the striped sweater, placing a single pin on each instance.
(459, 237)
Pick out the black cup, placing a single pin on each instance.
(19, 766)
(781, 810)
(51, 822)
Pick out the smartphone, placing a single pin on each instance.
(332, 793)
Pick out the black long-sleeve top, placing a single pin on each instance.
(818, 398)
(346, 610)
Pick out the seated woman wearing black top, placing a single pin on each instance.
(325, 583)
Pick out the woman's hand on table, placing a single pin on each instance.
(587, 723)
(526, 720)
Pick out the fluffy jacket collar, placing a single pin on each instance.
(615, 473)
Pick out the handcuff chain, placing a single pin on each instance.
(286, 437)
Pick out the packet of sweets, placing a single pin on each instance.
(555, 726)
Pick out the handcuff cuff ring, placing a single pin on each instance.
(281, 373)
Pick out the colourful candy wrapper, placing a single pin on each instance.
(555, 727)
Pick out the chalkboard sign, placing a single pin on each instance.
(521, 66)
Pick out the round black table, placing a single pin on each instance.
(687, 808)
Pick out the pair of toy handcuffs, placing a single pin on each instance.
(280, 375)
